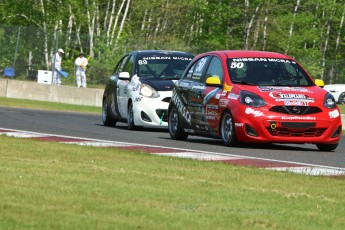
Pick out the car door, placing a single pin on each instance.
(213, 97)
(194, 88)
(122, 86)
(115, 81)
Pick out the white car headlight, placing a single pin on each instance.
(148, 91)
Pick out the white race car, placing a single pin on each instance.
(140, 89)
(338, 92)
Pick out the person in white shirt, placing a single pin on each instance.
(56, 66)
(81, 63)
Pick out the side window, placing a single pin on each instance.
(196, 70)
(121, 66)
(214, 69)
(129, 66)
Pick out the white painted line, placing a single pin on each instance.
(23, 134)
(198, 156)
(312, 171)
(99, 144)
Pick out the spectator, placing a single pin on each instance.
(81, 63)
(56, 67)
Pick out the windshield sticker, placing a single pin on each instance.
(278, 96)
(334, 114)
(239, 60)
(166, 58)
(236, 65)
(283, 88)
(144, 60)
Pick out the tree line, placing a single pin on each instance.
(312, 31)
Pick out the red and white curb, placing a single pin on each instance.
(269, 164)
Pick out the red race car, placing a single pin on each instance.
(253, 96)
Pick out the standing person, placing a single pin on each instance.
(81, 63)
(56, 65)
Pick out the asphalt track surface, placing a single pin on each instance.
(90, 126)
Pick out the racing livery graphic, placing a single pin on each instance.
(252, 96)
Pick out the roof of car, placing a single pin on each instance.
(249, 53)
(150, 52)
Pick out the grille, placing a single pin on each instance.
(298, 125)
(287, 132)
(162, 114)
(298, 110)
(166, 99)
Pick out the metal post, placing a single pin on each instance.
(15, 52)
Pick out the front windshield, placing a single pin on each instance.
(267, 71)
(162, 66)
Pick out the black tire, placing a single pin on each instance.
(130, 117)
(327, 147)
(227, 130)
(174, 125)
(341, 99)
(106, 118)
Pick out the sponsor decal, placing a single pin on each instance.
(296, 103)
(137, 99)
(181, 108)
(239, 124)
(298, 118)
(211, 106)
(256, 113)
(224, 93)
(233, 96)
(217, 96)
(284, 88)
(278, 96)
(189, 130)
(223, 102)
(200, 87)
(184, 84)
(210, 117)
(334, 114)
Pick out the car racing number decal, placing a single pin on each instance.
(181, 108)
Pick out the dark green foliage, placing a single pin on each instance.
(311, 31)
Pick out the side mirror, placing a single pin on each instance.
(213, 81)
(124, 76)
(319, 83)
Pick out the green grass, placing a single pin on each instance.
(45, 105)
(60, 186)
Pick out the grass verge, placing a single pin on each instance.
(54, 186)
(23, 103)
